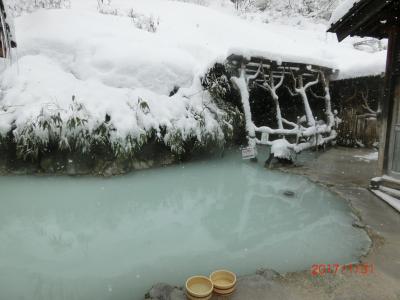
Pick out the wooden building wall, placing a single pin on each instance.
(359, 127)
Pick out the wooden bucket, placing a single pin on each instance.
(224, 282)
(199, 288)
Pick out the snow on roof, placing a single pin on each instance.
(342, 10)
(189, 39)
(107, 62)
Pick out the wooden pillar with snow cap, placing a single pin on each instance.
(241, 81)
(7, 36)
(380, 19)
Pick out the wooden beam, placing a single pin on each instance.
(388, 97)
(362, 13)
(358, 22)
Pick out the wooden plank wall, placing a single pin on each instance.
(357, 127)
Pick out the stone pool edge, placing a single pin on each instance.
(268, 284)
(358, 220)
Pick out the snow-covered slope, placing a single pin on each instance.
(341, 10)
(108, 63)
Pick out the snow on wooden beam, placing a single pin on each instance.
(277, 66)
(255, 61)
(278, 73)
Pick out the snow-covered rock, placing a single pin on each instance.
(281, 149)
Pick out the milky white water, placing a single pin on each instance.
(93, 238)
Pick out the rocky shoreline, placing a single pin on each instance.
(77, 165)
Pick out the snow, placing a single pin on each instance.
(342, 10)
(281, 149)
(375, 67)
(395, 203)
(390, 179)
(242, 85)
(368, 157)
(108, 64)
(390, 191)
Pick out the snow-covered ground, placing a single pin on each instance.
(114, 68)
(368, 157)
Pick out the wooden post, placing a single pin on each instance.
(388, 98)
(394, 147)
(2, 53)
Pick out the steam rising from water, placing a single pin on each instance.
(94, 238)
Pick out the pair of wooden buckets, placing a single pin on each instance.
(221, 282)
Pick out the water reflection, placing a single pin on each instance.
(93, 238)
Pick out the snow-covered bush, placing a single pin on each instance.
(313, 9)
(217, 82)
(76, 135)
(55, 129)
(320, 9)
(307, 14)
(148, 23)
(244, 6)
(104, 7)
(140, 21)
(198, 2)
(212, 3)
(199, 136)
(39, 134)
(17, 7)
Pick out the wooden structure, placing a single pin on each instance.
(7, 40)
(358, 101)
(308, 71)
(357, 130)
(381, 19)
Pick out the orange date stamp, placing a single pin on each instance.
(359, 269)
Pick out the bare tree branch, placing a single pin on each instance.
(255, 76)
(351, 98)
(312, 83)
(366, 106)
(316, 96)
(289, 123)
(293, 94)
(281, 80)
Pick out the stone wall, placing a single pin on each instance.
(153, 154)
